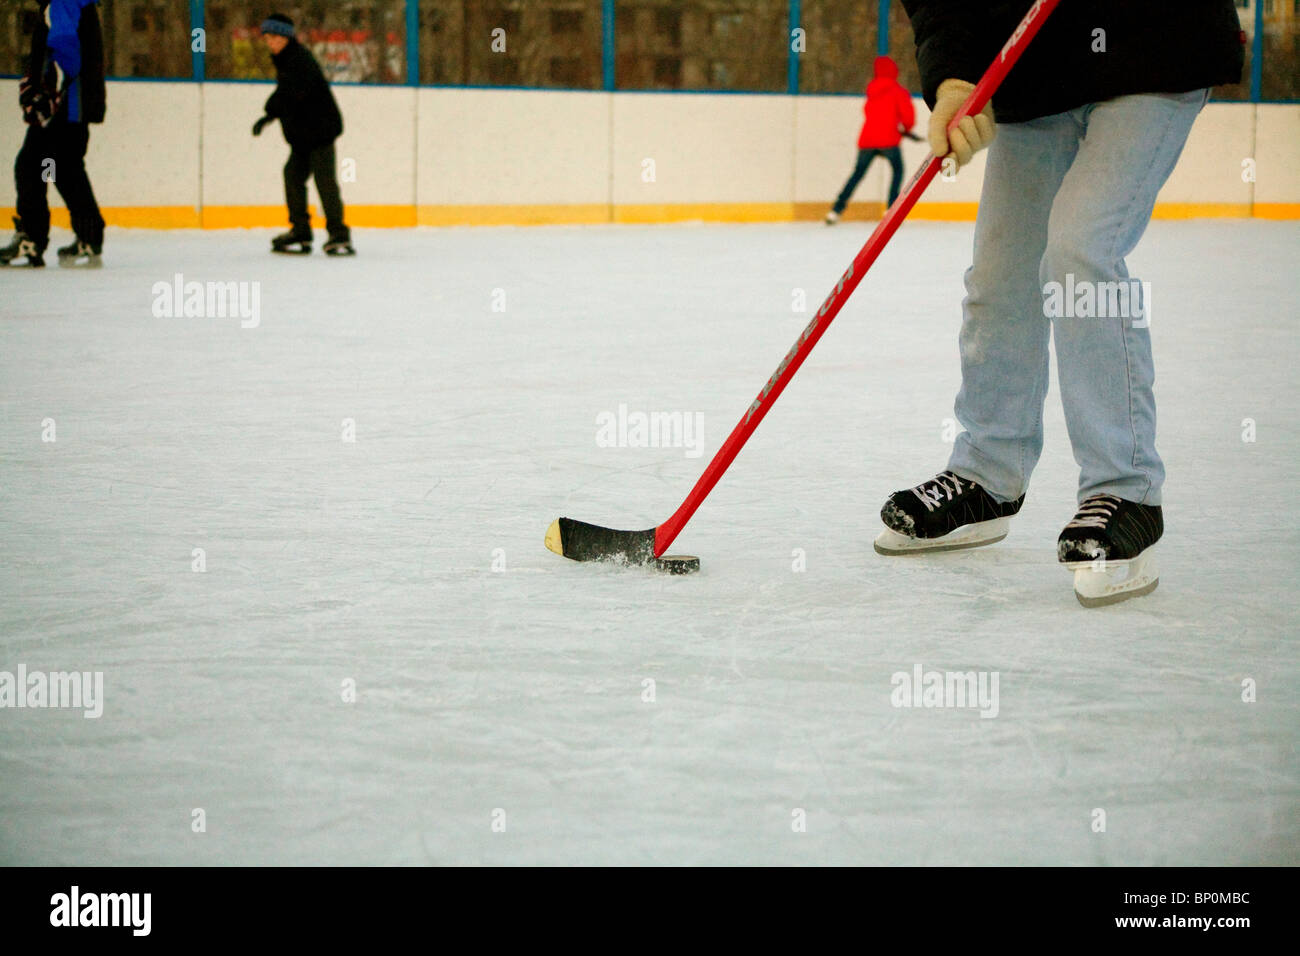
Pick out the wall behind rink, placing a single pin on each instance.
(182, 155)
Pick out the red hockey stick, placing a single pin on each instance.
(587, 542)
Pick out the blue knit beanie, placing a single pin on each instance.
(279, 24)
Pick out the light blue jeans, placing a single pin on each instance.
(1065, 194)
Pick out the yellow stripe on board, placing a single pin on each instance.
(131, 217)
(380, 217)
(553, 215)
(383, 216)
(864, 211)
(1277, 210)
(706, 212)
(873, 211)
(143, 217)
(253, 217)
(946, 211)
(1202, 210)
(247, 217)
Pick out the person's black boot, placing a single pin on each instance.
(80, 254)
(293, 242)
(24, 247)
(1108, 546)
(943, 514)
(340, 244)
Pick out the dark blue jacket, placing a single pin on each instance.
(74, 42)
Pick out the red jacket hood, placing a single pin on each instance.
(886, 76)
(885, 68)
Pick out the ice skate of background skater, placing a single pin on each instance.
(887, 116)
(1085, 139)
(61, 93)
(310, 120)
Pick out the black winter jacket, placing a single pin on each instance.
(302, 101)
(1150, 46)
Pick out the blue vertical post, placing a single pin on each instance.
(1257, 55)
(882, 29)
(607, 45)
(792, 61)
(413, 42)
(197, 70)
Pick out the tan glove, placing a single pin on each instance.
(971, 135)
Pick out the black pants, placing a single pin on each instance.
(865, 156)
(317, 163)
(57, 154)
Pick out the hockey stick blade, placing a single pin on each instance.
(580, 541)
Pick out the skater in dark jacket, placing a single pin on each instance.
(1089, 124)
(60, 95)
(310, 120)
(887, 115)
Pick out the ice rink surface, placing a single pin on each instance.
(496, 683)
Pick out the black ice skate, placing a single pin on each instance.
(293, 242)
(1109, 547)
(24, 247)
(79, 254)
(340, 245)
(946, 513)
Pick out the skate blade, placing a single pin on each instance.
(68, 262)
(1099, 583)
(893, 544)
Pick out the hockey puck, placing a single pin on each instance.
(678, 563)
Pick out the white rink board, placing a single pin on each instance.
(512, 147)
(1278, 154)
(545, 149)
(240, 169)
(1209, 169)
(705, 148)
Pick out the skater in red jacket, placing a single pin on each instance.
(888, 115)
